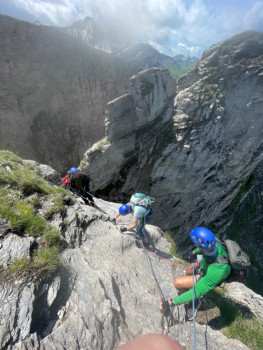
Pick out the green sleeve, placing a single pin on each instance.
(197, 250)
(215, 274)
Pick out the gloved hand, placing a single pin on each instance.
(123, 229)
(113, 220)
(190, 255)
(165, 307)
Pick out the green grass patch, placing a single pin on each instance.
(227, 310)
(22, 217)
(237, 323)
(58, 202)
(34, 200)
(44, 263)
(22, 191)
(52, 237)
(173, 249)
(29, 183)
(248, 331)
(25, 180)
(8, 158)
(19, 266)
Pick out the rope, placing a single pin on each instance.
(160, 277)
(193, 304)
(170, 261)
(150, 260)
(168, 320)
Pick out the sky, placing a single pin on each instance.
(173, 27)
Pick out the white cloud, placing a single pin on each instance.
(187, 50)
(53, 12)
(254, 17)
(197, 24)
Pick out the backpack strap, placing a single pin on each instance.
(222, 260)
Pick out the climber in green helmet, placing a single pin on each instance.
(209, 273)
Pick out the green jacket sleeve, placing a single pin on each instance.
(197, 250)
(215, 274)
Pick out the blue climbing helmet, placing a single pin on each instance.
(203, 238)
(125, 209)
(73, 170)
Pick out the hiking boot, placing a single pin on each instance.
(189, 309)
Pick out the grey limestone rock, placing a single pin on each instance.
(108, 292)
(16, 311)
(48, 173)
(243, 296)
(14, 247)
(150, 102)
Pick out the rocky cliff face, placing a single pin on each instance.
(131, 124)
(197, 159)
(107, 290)
(53, 92)
(95, 35)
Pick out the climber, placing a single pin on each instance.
(209, 273)
(140, 213)
(79, 182)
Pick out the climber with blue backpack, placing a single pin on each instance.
(140, 207)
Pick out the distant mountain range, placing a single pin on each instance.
(142, 55)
